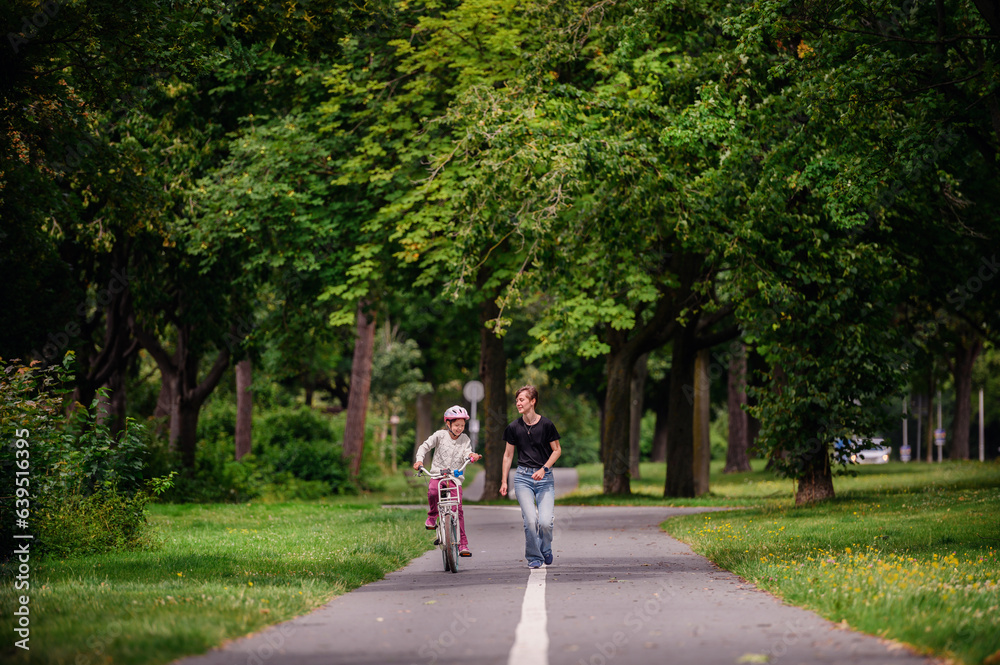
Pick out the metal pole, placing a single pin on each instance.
(982, 441)
(394, 421)
(906, 441)
(940, 448)
(474, 428)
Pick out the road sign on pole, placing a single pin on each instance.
(939, 437)
(474, 391)
(904, 450)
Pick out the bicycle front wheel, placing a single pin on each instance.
(451, 544)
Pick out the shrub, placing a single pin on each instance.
(217, 476)
(86, 491)
(296, 455)
(106, 520)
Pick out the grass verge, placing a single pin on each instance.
(222, 571)
(905, 551)
(757, 487)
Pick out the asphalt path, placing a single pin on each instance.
(620, 590)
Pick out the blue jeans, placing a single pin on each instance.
(537, 499)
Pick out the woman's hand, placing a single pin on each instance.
(503, 488)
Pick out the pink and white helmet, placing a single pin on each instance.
(455, 413)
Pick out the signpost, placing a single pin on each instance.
(982, 443)
(394, 422)
(939, 432)
(904, 450)
(939, 442)
(474, 391)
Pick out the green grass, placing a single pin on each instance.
(757, 487)
(908, 551)
(222, 571)
(905, 551)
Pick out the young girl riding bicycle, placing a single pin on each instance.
(451, 448)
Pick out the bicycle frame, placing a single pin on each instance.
(449, 497)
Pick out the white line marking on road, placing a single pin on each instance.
(531, 640)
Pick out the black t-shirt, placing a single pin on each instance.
(532, 442)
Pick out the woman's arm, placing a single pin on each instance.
(508, 457)
(556, 452)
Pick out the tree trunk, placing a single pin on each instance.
(659, 453)
(702, 440)
(425, 418)
(739, 441)
(637, 389)
(107, 368)
(244, 407)
(931, 424)
(660, 394)
(493, 373)
(601, 447)
(361, 379)
(180, 376)
(117, 403)
(163, 405)
(187, 431)
(616, 422)
(193, 395)
(680, 416)
(816, 484)
(965, 358)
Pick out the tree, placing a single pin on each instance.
(860, 112)
(396, 377)
(739, 432)
(244, 407)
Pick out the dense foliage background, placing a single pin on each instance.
(321, 215)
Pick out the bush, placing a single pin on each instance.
(296, 455)
(305, 444)
(84, 491)
(106, 520)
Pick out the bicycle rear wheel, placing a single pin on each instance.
(451, 544)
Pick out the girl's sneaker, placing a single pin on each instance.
(464, 552)
(430, 524)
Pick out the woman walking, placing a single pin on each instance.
(537, 443)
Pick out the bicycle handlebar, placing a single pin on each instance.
(445, 473)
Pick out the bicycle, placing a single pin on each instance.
(449, 495)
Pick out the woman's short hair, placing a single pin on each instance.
(531, 390)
